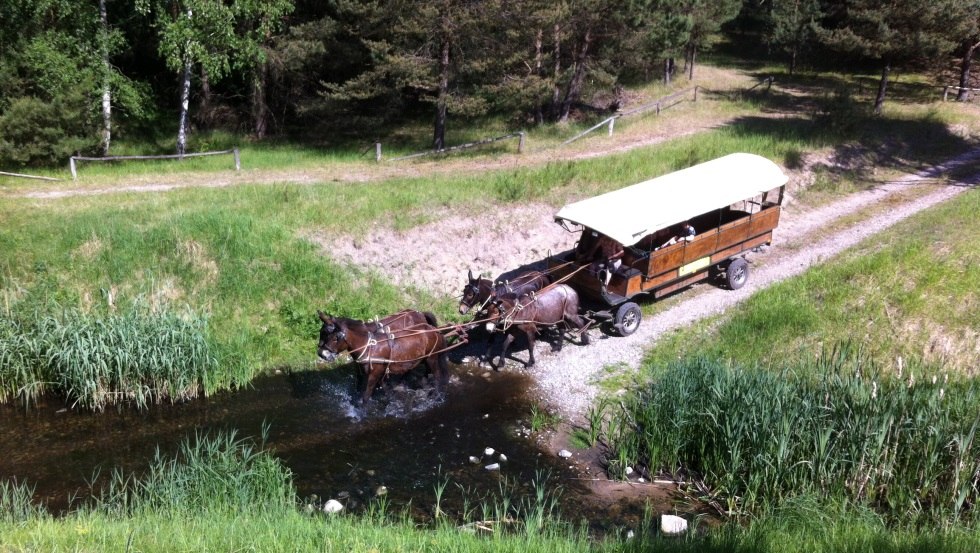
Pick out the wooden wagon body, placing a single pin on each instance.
(733, 204)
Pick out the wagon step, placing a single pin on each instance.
(612, 298)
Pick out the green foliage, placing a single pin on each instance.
(836, 428)
(36, 132)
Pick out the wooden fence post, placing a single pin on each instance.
(71, 165)
(238, 160)
(945, 92)
(520, 143)
(377, 151)
(695, 94)
(612, 123)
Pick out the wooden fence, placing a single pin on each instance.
(947, 88)
(72, 163)
(520, 147)
(658, 105)
(21, 176)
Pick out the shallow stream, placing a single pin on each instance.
(406, 440)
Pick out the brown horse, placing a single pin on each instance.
(478, 291)
(383, 349)
(512, 313)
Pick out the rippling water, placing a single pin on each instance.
(407, 439)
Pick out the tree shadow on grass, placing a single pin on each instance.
(861, 144)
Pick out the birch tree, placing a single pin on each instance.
(193, 32)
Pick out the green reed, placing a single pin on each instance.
(210, 472)
(836, 428)
(16, 503)
(136, 357)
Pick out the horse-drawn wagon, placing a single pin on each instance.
(661, 235)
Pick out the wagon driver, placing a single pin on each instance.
(606, 256)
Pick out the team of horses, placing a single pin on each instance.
(394, 345)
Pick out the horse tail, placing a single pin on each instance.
(430, 318)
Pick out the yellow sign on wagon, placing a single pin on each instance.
(694, 266)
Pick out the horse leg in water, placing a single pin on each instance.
(438, 369)
(373, 373)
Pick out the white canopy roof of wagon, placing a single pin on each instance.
(628, 214)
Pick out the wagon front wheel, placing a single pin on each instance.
(737, 273)
(628, 318)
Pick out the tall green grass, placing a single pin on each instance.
(836, 428)
(17, 505)
(93, 360)
(217, 472)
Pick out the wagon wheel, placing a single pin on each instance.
(627, 318)
(737, 273)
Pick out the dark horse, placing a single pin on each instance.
(479, 290)
(512, 313)
(393, 345)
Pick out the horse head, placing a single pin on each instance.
(471, 293)
(333, 337)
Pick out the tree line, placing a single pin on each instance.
(74, 74)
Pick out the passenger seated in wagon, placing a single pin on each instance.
(683, 231)
(604, 254)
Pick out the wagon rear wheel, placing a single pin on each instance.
(628, 317)
(737, 273)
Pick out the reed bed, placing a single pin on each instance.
(218, 472)
(137, 357)
(16, 505)
(837, 428)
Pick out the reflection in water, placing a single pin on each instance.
(406, 439)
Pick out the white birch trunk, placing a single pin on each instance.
(185, 98)
(106, 89)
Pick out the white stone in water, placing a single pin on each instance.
(564, 454)
(629, 535)
(503, 458)
(628, 471)
(494, 466)
(381, 490)
(488, 451)
(672, 525)
(474, 460)
(332, 506)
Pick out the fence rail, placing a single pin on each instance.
(19, 175)
(74, 170)
(520, 147)
(947, 88)
(660, 104)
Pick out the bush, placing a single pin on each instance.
(34, 132)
